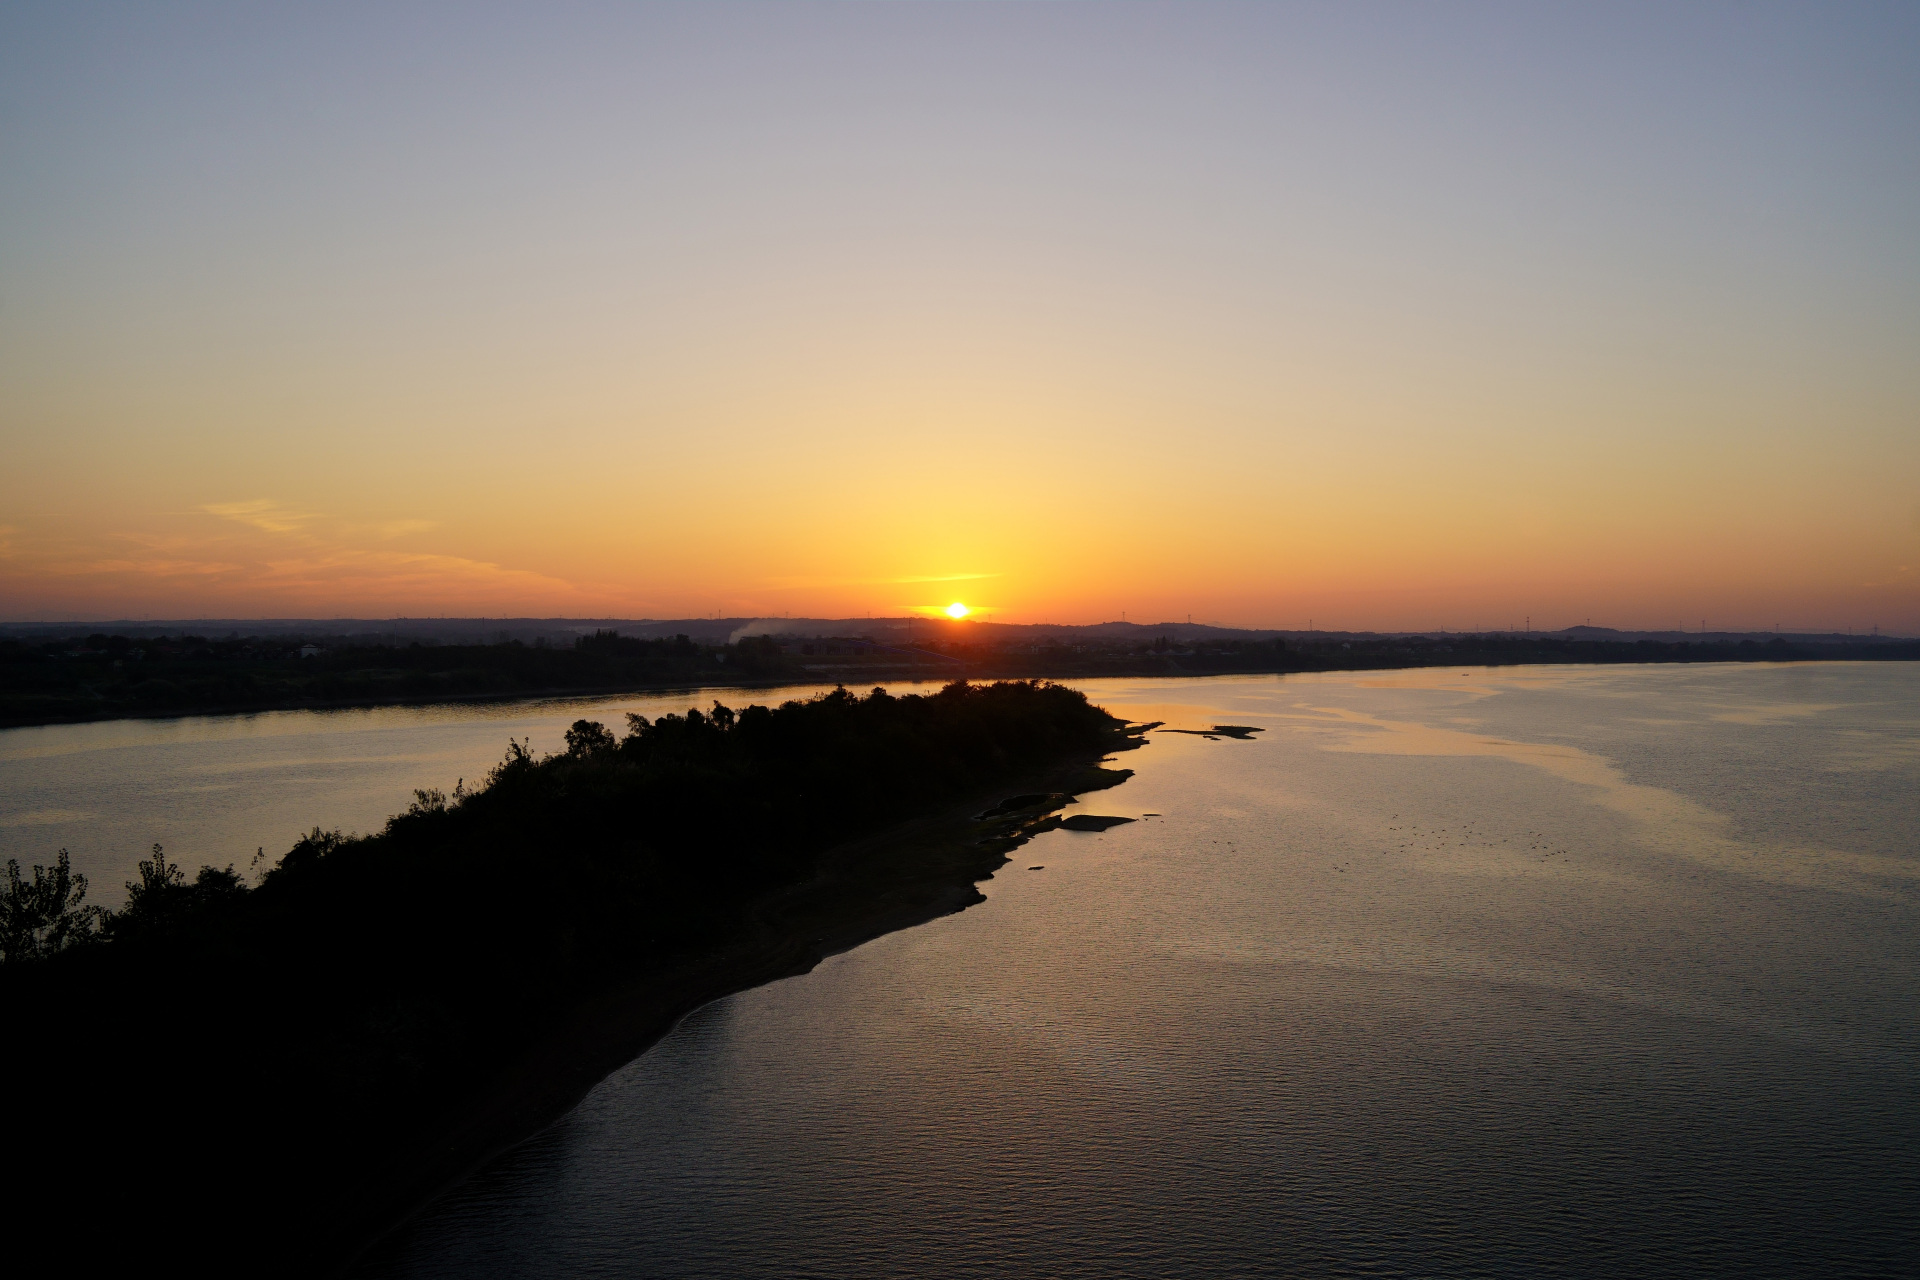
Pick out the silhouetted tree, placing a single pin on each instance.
(307, 850)
(46, 915)
(163, 900)
(158, 877)
(588, 737)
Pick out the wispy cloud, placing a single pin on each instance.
(946, 577)
(814, 584)
(272, 517)
(261, 513)
(1902, 576)
(158, 566)
(275, 556)
(400, 571)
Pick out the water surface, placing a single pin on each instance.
(1595, 971)
(218, 789)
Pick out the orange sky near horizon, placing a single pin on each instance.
(1256, 314)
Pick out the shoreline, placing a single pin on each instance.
(422, 700)
(907, 875)
(882, 675)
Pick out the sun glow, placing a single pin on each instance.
(957, 610)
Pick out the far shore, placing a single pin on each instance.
(108, 715)
(870, 674)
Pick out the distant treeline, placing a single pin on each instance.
(1166, 657)
(102, 676)
(222, 1071)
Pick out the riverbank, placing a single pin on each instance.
(102, 687)
(105, 714)
(1394, 923)
(383, 1012)
(908, 875)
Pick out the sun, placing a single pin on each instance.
(957, 610)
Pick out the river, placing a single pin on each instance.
(221, 789)
(1583, 970)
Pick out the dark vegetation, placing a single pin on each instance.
(1244, 732)
(1163, 655)
(103, 676)
(259, 1077)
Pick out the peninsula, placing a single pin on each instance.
(298, 1064)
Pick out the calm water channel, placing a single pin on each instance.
(216, 789)
(1575, 970)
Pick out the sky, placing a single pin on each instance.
(1381, 316)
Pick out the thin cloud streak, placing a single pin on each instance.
(814, 584)
(261, 514)
(264, 550)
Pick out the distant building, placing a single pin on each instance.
(310, 650)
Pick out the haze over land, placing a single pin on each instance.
(1269, 315)
(906, 629)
